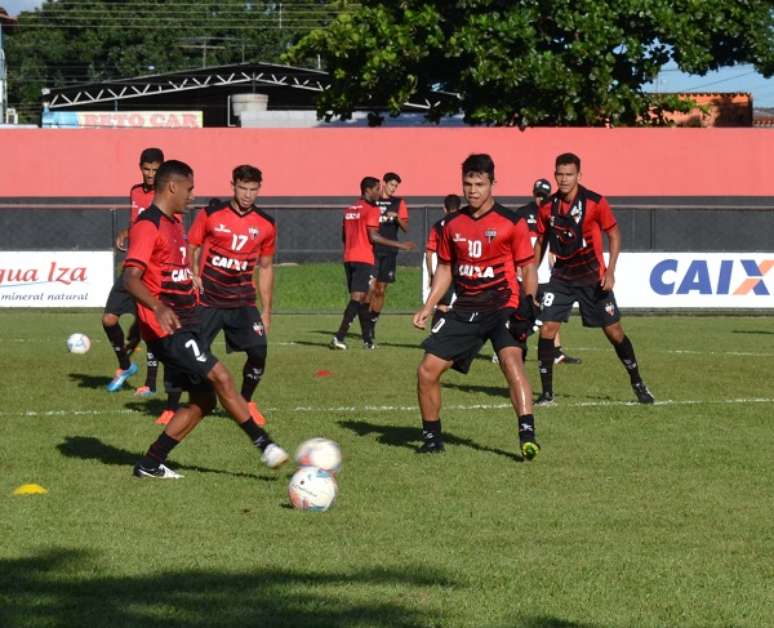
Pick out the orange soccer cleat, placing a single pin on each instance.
(255, 414)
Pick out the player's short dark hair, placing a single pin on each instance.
(391, 176)
(151, 156)
(170, 169)
(452, 202)
(247, 173)
(367, 183)
(480, 163)
(565, 159)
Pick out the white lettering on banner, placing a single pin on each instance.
(141, 119)
(55, 278)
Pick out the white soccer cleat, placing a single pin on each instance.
(337, 345)
(162, 472)
(274, 456)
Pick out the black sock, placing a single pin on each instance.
(159, 450)
(153, 368)
(251, 377)
(365, 323)
(349, 315)
(546, 364)
(173, 400)
(116, 338)
(557, 351)
(526, 428)
(256, 433)
(431, 429)
(133, 336)
(625, 352)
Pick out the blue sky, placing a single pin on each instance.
(742, 78)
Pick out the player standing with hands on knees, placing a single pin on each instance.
(480, 248)
(572, 221)
(157, 274)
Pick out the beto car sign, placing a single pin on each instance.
(695, 280)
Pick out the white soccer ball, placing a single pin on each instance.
(312, 488)
(78, 343)
(319, 452)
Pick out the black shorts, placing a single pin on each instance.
(459, 336)
(119, 301)
(359, 276)
(242, 327)
(385, 268)
(187, 361)
(598, 307)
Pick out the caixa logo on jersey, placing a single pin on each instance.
(716, 275)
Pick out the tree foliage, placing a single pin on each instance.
(531, 62)
(78, 41)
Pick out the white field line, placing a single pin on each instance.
(412, 408)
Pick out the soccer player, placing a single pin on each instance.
(157, 274)
(235, 236)
(119, 301)
(480, 248)
(541, 190)
(393, 215)
(360, 233)
(572, 221)
(451, 204)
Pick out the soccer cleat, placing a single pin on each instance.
(121, 376)
(529, 449)
(545, 399)
(162, 472)
(563, 358)
(368, 345)
(274, 456)
(165, 417)
(144, 391)
(255, 414)
(642, 393)
(337, 345)
(431, 446)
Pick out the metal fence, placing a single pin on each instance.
(307, 234)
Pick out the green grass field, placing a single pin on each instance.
(631, 515)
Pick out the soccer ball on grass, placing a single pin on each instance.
(312, 488)
(78, 343)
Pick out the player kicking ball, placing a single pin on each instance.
(157, 274)
(479, 250)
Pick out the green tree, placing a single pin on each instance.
(77, 41)
(531, 62)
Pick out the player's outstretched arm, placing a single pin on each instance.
(164, 315)
(614, 244)
(375, 238)
(442, 280)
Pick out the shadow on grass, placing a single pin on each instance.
(753, 331)
(153, 407)
(90, 448)
(409, 437)
(494, 391)
(551, 622)
(59, 585)
(87, 380)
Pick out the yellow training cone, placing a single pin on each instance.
(30, 489)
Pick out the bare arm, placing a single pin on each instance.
(266, 288)
(373, 235)
(614, 242)
(529, 279)
(429, 264)
(442, 281)
(194, 252)
(403, 224)
(122, 239)
(164, 315)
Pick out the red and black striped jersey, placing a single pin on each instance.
(574, 232)
(431, 246)
(140, 200)
(157, 246)
(232, 244)
(484, 253)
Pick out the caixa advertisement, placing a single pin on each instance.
(56, 279)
